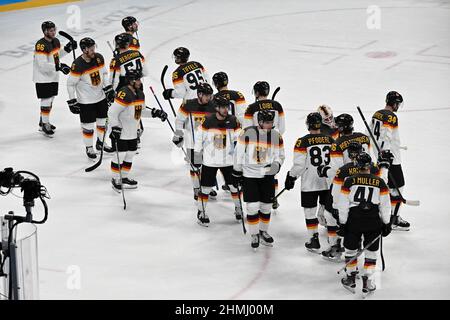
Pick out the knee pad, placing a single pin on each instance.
(371, 254)
(88, 126)
(350, 253)
(47, 102)
(310, 213)
(265, 207)
(252, 208)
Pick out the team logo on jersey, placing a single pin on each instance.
(198, 121)
(137, 112)
(95, 78)
(260, 154)
(220, 140)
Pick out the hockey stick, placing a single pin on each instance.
(173, 130)
(275, 93)
(99, 162)
(120, 175)
(242, 210)
(163, 74)
(408, 202)
(279, 194)
(70, 38)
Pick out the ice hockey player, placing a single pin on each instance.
(125, 59)
(187, 77)
(331, 212)
(216, 141)
(261, 91)
(384, 127)
(89, 79)
(189, 118)
(364, 211)
(258, 157)
(339, 152)
(236, 98)
(124, 115)
(328, 123)
(310, 152)
(131, 26)
(46, 67)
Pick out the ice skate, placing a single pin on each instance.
(349, 282)
(238, 213)
(203, 219)
(400, 225)
(332, 254)
(91, 153)
(116, 185)
(47, 130)
(265, 238)
(313, 245)
(368, 286)
(129, 183)
(106, 148)
(255, 241)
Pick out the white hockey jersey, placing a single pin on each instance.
(46, 58)
(384, 127)
(186, 79)
(87, 79)
(126, 112)
(310, 152)
(216, 139)
(256, 150)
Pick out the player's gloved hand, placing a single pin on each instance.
(167, 94)
(289, 183)
(115, 133)
(156, 113)
(109, 92)
(64, 68)
(322, 171)
(273, 168)
(386, 229)
(74, 106)
(341, 231)
(385, 158)
(236, 178)
(72, 45)
(178, 141)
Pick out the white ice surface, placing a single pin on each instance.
(317, 52)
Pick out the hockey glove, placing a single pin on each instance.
(64, 68)
(167, 94)
(386, 229)
(156, 113)
(236, 178)
(178, 141)
(272, 169)
(385, 158)
(341, 231)
(322, 171)
(72, 45)
(289, 183)
(115, 133)
(110, 94)
(74, 106)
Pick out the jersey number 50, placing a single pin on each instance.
(195, 78)
(319, 155)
